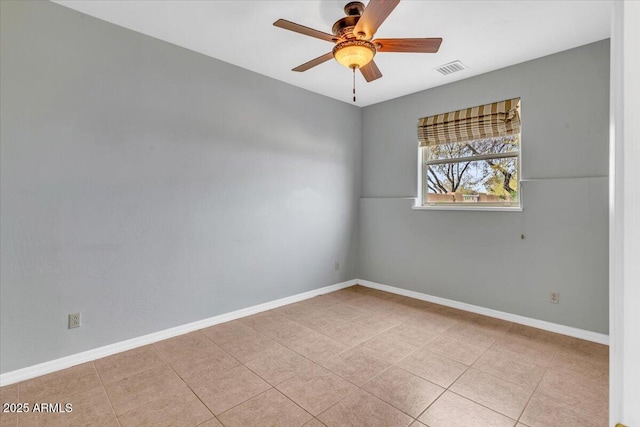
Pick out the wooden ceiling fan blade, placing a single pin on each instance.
(319, 60)
(297, 28)
(371, 72)
(431, 45)
(373, 16)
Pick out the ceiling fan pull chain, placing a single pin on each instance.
(354, 83)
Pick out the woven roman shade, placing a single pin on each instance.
(484, 121)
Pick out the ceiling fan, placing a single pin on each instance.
(352, 37)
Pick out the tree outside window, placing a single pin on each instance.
(483, 171)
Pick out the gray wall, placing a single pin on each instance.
(148, 186)
(478, 257)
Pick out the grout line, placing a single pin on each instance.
(546, 369)
(340, 400)
(391, 404)
(205, 422)
(529, 400)
(182, 379)
(484, 406)
(244, 401)
(269, 389)
(329, 370)
(392, 364)
(294, 402)
(106, 393)
(285, 317)
(504, 379)
(451, 316)
(431, 404)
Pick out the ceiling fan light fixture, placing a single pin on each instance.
(354, 53)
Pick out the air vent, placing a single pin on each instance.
(451, 67)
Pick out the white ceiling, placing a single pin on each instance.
(484, 35)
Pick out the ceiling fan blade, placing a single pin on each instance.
(319, 60)
(373, 16)
(371, 72)
(408, 45)
(297, 28)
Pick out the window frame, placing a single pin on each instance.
(423, 162)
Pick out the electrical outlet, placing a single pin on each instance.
(337, 266)
(554, 298)
(74, 320)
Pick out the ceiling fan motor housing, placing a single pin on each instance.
(343, 28)
(354, 8)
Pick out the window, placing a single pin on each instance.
(471, 158)
(483, 171)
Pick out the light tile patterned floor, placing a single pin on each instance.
(355, 357)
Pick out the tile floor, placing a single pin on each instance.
(355, 357)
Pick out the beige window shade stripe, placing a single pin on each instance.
(484, 121)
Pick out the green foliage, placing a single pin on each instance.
(494, 176)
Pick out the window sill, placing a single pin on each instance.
(469, 208)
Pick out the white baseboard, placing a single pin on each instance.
(96, 353)
(90, 355)
(515, 318)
